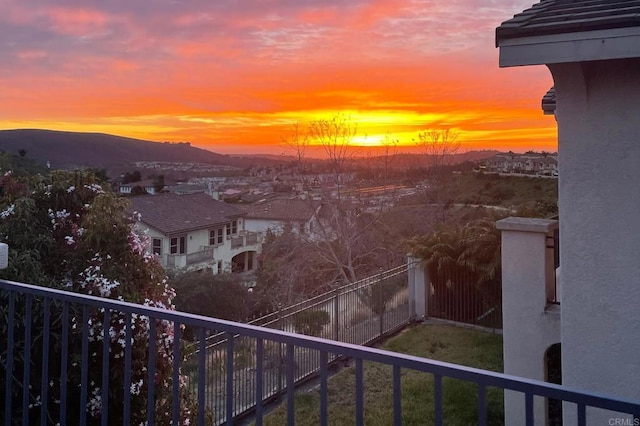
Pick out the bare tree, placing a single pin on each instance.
(335, 136)
(438, 146)
(341, 238)
(297, 140)
(389, 154)
(290, 271)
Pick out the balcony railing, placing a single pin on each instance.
(245, 238)
(38, 324)
(205, 254)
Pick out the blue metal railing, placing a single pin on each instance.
(22, 332)
(361, 313)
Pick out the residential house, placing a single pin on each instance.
(276, 215)
(149, 185)
(194, 231)
(592, 48)
(529, 163)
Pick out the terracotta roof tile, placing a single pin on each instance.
(173, 213)
(567, 16)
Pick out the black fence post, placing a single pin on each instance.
(336, 312)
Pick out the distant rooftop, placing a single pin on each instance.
(551, 17)
(280, 209)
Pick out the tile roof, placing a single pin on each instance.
(173, 213)
(550, 17)
(280, 209)
(549, 101)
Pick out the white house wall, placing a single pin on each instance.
(598, 110)
(529, 325)
(195, 241)
(262, 225)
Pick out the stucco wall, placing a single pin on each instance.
(276, 226)
(529, 327)
(598, 114)
(262, 225)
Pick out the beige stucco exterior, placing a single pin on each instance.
(597, 84)
(598, 105)
(530, 323)
(199, 254)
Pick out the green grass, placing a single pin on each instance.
(445, 343)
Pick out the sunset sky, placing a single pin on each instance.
(233, 76)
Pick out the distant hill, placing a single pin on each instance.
(73, 149)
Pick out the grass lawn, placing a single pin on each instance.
(440, 342)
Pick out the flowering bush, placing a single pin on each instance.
(66, 231)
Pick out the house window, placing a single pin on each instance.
(216, 236)
(232, 229)
(177, 245)
(157, 246)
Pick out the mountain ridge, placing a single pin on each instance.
(63, 149)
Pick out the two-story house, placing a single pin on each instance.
(194, 231)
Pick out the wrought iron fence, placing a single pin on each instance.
(457, 295)
(358, 313)
(50, 331)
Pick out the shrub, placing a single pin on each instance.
(66, 232)
(311, 322)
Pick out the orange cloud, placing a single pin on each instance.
(231, 77)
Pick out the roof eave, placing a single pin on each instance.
(185, 230)
(619, 43)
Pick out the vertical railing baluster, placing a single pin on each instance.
(359, 393)
(64, 363)
(244, 382)
(582, 415)
(202, 370)
(290, 367)
(482, 405)
(84, 365)
(177, 355)
(106, 344)
(528, 398)
(336, 312)
(379, 301)
(324, 361)
(229, 378)
(397, 396)
(151, 374)
(127, 369)
(437, 399)
(259, 380)
(9, 365)
(27, 360)
(44, 384)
